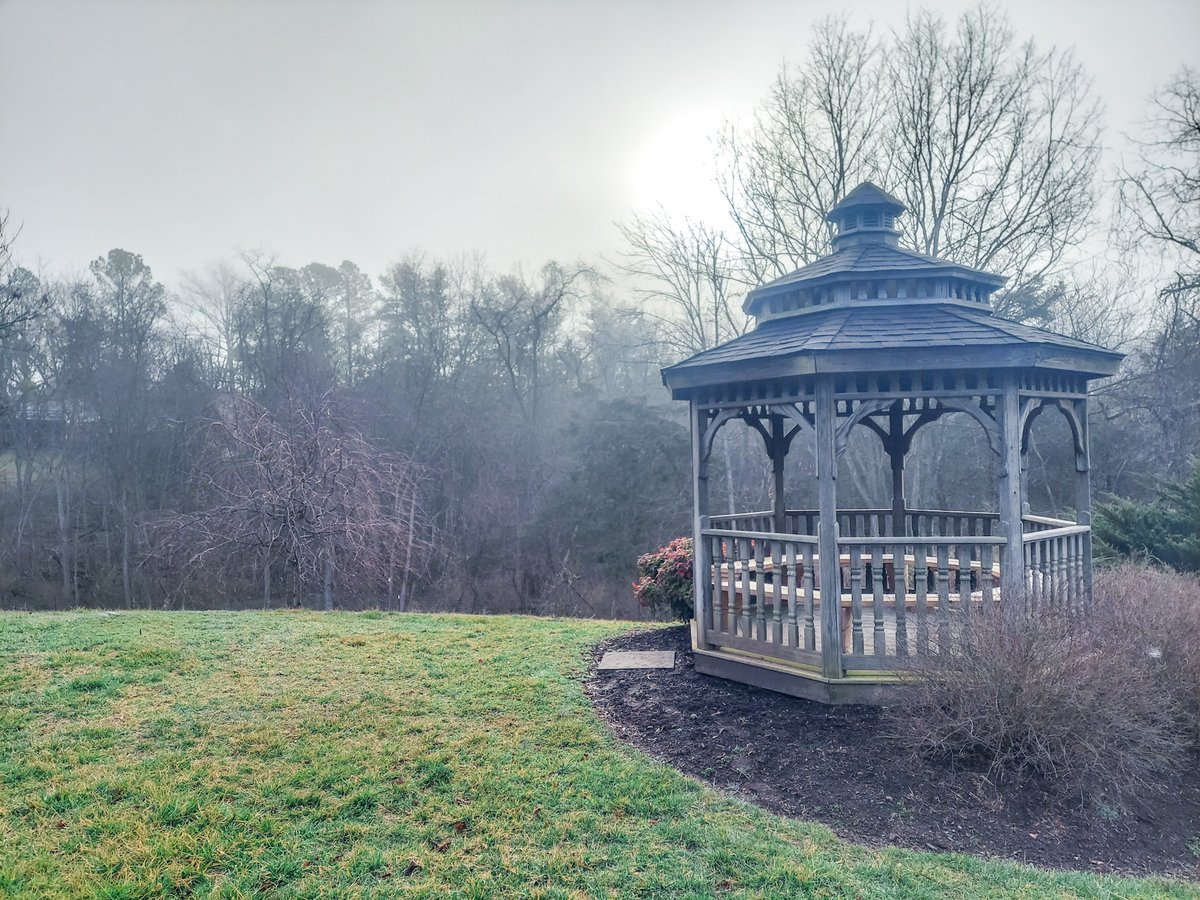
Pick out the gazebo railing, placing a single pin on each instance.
(873, 522)
(1056, 561)
(897, 596)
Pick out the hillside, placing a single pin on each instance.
(302, 754)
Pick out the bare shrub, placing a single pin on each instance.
(1160, 610)
(1101, 705)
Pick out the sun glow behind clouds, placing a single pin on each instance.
(674, 165)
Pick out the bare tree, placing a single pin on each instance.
(1160, 196)
(685, 272)
(302, 495)
(1162, 191)
(522, 318)
(819, 132)
(212, 299)
(21, 295)
(992, 144)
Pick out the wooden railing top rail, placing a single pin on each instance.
(875, 511)
(888, 540)
(1047, 520)
(1037, 520)
(1051, 533)
(760, 535)
(724, 517)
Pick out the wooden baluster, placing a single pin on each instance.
(1077, 572)
(714, 582)
(921, 592)
(731, 611)
(1044, 564)
(760, 614)
(900, 589)
(778, 582)
(810, 633)
(856, 586)
(1034, 576)
(986, 580)
(1060, 572)
(943, 591)
(1068, 574)
(745, 586)
(793, 631)
(878, 638)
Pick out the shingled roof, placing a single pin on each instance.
(882, 328)
(872, 305)
(885, 338)
(867, 194)
(868, 260)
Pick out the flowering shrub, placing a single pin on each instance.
(665, 579)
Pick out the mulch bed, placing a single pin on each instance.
(835, 765)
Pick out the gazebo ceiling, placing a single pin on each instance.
(873, 306)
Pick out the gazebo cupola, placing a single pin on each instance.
(868, 265)
(830, 602)
(867, 214)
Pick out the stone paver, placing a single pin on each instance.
(637, 659)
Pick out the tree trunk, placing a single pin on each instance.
(329, 581)
(126, 583)
(402, 604)
(64, 538)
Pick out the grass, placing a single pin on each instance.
(339, 755)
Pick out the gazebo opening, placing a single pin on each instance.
(829, 600)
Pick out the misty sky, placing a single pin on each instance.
(363, 130)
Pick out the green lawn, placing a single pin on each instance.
(327, 755)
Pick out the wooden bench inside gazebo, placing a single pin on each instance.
(878, 336)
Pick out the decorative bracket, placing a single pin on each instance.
(1032, 407)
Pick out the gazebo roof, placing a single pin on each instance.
(872, 338)
(872, 306)
(871, 260)
(866, 194)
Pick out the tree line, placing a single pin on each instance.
(444, 435)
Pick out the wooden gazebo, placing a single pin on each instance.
(828, 603)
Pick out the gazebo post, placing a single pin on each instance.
(701, 564)
(830, 575)
(896, 456)
(1012, 566)
(778, 457)
(1083, 493)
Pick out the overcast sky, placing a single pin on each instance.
(362, 130)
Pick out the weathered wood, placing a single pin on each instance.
(878, 642)
(830, 575)
(779, 447)
(1012, 581)
(702, 583)
(856, 591)
(1083, 496)
(943, 592)
(924, 360)
(809, 581)
(760, 585)
(792, 633)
